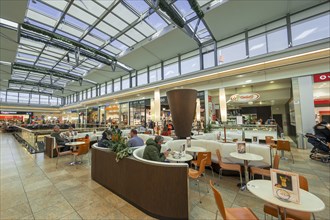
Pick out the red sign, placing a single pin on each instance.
(322, 77)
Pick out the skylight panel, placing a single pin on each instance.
(56, 50)
(38, 24)
(119, 45)
(26, 56)
(126, 40)
(156, 21)
(67, 35)
(145, 28)
(124, 13)
(8, 23)
(41, 18)
(24, 61)
(47, 58)
(31, 43)
(97, 33)
(90, 44)
(133, 33)
(115, 21)
(30, 52)
(60, 69)
(112, 49)
(108, 52)
(75, 22)
(45, 9)
(183, 7)
(90, 6)
(107, 29)
(105, 3)
(94, 40)
(139, 6)
(59, 4)
(82, 15)
(71, 30)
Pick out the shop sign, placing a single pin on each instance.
(322, 77)
(247, 97)
(14, 113)
(8, 113)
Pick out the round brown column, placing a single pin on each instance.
(182, 106)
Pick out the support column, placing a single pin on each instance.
(206, 100)
(198, 110)
(223, 105)
(302, 88)
(157, 105)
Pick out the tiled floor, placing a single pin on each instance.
(32, 188)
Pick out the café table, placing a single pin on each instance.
(308, 201)
(195, 150)
(246, 157)
(74, 145)
(185, 158)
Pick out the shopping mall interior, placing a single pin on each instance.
(165, 109)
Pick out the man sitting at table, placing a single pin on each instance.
(135, 141)
(70, 133)
(152, 150)
(60, 140)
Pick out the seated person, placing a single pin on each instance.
(70, 132)
(152, 150)
(60, 140)
(105, 140)
(135, 141)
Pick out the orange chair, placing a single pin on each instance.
(264, 172)
(284, 145)
(196, 174)
(60, 154)
(270, 142)
(228, 166)
(200, 156)
(83, 149)
(272, 210)
(231, 213)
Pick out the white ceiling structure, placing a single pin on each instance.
(131, 34)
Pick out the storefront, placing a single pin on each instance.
(16, 117)
(70, 116)
(139, 112)
(321, 94)
(112, 113)
(124, 113)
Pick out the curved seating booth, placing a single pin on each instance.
(158, 189)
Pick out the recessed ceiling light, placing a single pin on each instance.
(138, 95)
(243, 86)
(6, 22)
(239, 76)
(5, 63)
(271, 82)
(248, 81)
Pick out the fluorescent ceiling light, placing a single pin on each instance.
(248, 81)
(5, 63)
(271, 82)
(8, 23)
(255, 47)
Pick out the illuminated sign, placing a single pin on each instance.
(247, 97)
(323, 77)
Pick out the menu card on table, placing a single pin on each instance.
(285, 185)
(241, 147)
(255, 140)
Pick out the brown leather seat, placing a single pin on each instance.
(231, 213)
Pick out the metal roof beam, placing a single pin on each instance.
(34, 92)
(37, 84)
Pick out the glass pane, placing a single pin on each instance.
(38, 24)
(142, 79)
(107, 29)
(115, 21)
(133, 33)
(34, 99)
(24, 98)
(119, 45)
(171, 70)
(95, 32)
(90, 6)
(125, 83)
(94, 40)
(257, 45)
(93, 92)
(139, 5)
(75, 22)
(155, 75)
(56, 4)
(190, 65)
(105, 3)
(88, 93)
(277, 40)
(102, 90)
(208, 59)
(133, 81)
(183, 7)
(311, 30)
(232, 53)
(145, 28)
(124, 13)
(109, 87)
(126, 40)
(41, 18)
(117, 85)
(156, 21)
(45, 9)
(82, 15)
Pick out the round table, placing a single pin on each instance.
(185, 158)
(74, 144)
(246, 157)
(308, 201)
(195, 149)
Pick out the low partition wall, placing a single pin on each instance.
(158, 189)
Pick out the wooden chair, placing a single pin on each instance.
(196, 174)
(60, 154)
(264, 172)
(200, 156)
(228, 166)
(284, 145)
(83, 149)
(270, 142)
(231, 213)
(272, 210)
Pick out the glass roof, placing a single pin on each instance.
(109, 26)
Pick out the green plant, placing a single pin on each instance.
(119, 146)
(208, 127)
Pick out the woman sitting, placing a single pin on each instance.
(105, 140)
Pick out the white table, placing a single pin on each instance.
(186, 157)
(308, 201)
(74, 144)
(246, 157)
(195, 149)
